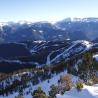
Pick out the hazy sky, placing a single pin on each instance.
(46, 10)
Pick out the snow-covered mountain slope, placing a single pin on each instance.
(45, 85)
(54, 51)
(87, 92)
(42, 53)
(23, 31)
(80, 28)
(66, 29)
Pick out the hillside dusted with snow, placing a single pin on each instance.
(44, 60)
(45, 31)
(87, 92)
(46, 50)
(40, 53)
(57, 65)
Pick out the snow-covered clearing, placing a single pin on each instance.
(87, 92)
(45, 85)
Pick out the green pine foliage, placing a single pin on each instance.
(79, 85)
(19, 96)
(39, 93)
(53, 91)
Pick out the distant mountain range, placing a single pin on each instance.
(86, 28)
(16, 32)
(73, 29)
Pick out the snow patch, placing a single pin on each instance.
(87, 92)
(96, 57)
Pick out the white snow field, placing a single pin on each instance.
(87, 92)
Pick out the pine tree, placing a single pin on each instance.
(39, 93)
(19, 96)
(79, 85)
(86, 67)
(53, 91)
